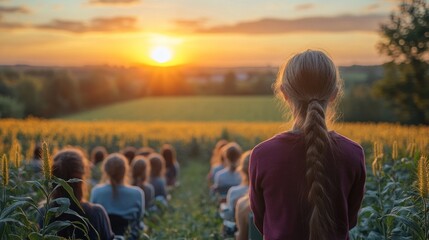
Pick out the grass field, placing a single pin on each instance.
(212, 109)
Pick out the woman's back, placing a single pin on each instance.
(149, 194)
(228, 178)
(128, 201)
(159, 186)
(279, 192)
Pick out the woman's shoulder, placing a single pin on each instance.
(280, 141)
(133, 189)
(148, 186)
(100, 188)
(346, 143)
(92, 208)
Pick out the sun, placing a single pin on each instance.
(161, 54)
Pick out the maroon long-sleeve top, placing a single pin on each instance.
(278, 189)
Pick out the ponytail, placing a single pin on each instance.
(318, 144)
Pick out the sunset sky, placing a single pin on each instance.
(198, 32)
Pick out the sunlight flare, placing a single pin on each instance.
(161, 54)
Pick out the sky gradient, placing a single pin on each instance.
(199, 32)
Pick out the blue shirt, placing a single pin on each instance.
(128, 202)
(159, 185)
(227, 178)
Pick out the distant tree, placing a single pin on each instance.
(264, 82)
(28, 92)
(230, 83)
(405, 39)
(10, 108)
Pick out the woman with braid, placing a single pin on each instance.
(307, 183)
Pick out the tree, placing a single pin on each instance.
(230, 83)
(405, 39)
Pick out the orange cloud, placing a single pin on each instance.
(5, 10)
(304, 6)
(372, 7)
(12, 10)
(190, 23)
(342, 23)
(114, 24)
(113, 1)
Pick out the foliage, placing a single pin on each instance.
(21, 200)
(394, 206)
(192, 214)
(405, 39)
(10, 108)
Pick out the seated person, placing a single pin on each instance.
(228, 177)
(70, 163)
(123, 203)
(236, 192)
(157, 177)
(140, 170)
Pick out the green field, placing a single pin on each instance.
(188, 109)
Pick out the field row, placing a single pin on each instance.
(117, 134)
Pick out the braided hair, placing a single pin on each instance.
(309, 82)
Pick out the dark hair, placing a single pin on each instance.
(37, 152)
(169, 154)
(145, 151)
(115, 169)
(70, 163)
(129, 152)
(157, 165)
(98, 154)
(231, 153)
(140, 170)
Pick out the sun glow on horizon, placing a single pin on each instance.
(161, 54)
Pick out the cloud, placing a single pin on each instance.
(372, 7)
(304, 6)
(114, 24)
(5, 10)
(12, 10)
(12, 25)
(108, 2)
(342, 23)
(190, 23)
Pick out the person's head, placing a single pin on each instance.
(157, 165)
(145, 151)
(310, 82)
(231, 153)
(129, 152)
(244, 167)
(115, 168)
(70, 163)
(169, 154)
(140, 170)
(217, 153)
(37, 152)
(98, 154)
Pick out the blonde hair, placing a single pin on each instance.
(244, 166)
(232, 153)
(309, 82)
(217, 157)
(140, 171)
(115, 170)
